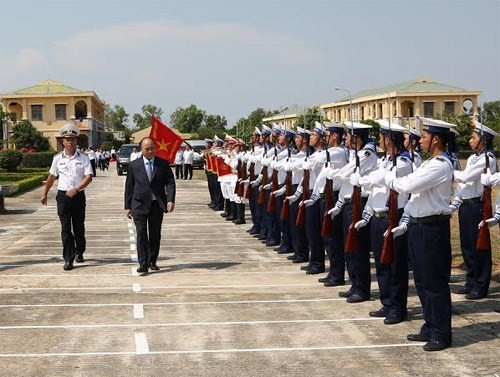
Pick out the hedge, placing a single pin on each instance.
(24, 181)
(38, 159)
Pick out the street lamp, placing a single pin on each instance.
(350, 100)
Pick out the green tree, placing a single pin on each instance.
(245, 126)
(464, 128)
(491, 118)
(108, 136)
(115, 118)
(25, 135)
(187, 120)
(144, 120)
(307, 120)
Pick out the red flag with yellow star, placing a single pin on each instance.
(222, 167)
(166, 140)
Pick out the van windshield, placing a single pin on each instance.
(126, 150)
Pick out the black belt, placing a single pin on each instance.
(429, 219)
(471, 200)
(64, 192)
(386, 213)
(349, 200)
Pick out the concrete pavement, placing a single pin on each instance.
(221, 305)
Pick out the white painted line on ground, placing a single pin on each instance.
(134, 271)
(132, 238)
(134, 257)
(136, 287)
(132, 246)
(130, 225)
(192, 324)
(234, 350)
(138, 311)
(180, 303)
(141, 344)
(131, 231)
(66, 275)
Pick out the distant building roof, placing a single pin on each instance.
(48, 87)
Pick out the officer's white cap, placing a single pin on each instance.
(414, 132)
(394, 127)
(257, 131)
(356, 125)
(436, 125)
(303, 131)
(69, 130)
(478, 127)
(266, 130)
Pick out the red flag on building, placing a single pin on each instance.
(222, 167)
(166, 140)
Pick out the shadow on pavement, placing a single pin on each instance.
(209, 266)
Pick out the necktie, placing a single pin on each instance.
(150, 170)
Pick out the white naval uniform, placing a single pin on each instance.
(70, 170)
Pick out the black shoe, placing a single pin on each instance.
(272, 243)
(418, 337)
(333, 283)
(474, 295)
(393, 319)
(315, 270)
(463, 290)
(347, 293)
(291, 257)
(224, 214)
(301, 260)
(154, 267)
(79, 258)
(356, 297)
(304, 268)
(68, 266)
(285, 251)
(381, 313)
(142, 271)
(436, 345)
(326, 278)
(262, 238)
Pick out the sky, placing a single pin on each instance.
(229, 57)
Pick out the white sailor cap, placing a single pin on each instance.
(288, 132)
(385, 127)
(413, 133)
(480, 128)
(318, 128)
(218, 140)
(454, 132)
(69, 130)
(302, 131)
(209, 141)
(277, 128)
(358, 128)
(334, 127)
(436, 125)
(257, 131)
(266, 130)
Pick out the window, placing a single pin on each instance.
(428, 109)
(60, 112)
(36, 112)
(449, 107)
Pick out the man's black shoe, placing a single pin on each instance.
(381, 313)
(285, 251)
(304, 268)
(355, 298)
(79, 258)
(333, 283)
(393, 319)
(272, 243)
(154, 267)
(301, 260)
(291, 257)
(142, 270)
(347, 293)
(418, 337)
(68, 266)
(474, 295)
(262, 238)
(436, 345)
(463, 290)
(326, 278)
(277, 249)
(315, 270)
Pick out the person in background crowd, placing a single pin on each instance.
(135, 155)
(179, 173)
(188, 159)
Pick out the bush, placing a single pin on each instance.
(38, 159)
(10, 159)
(106, 146)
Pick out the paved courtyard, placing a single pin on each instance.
(221, 305)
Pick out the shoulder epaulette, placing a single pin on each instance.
(439, 158)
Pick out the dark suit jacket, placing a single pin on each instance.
(138, 189)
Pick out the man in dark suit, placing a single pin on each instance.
(149, 192)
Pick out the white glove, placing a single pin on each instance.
(267, 187)
(279, 192)
(455, 204)
(485, 178)
(334, 211)
(292, 198)
(389, 177)
(361, 223)
(307, 203)
(399, 230)
(305, 165)
(244, 181)
(254, 183)
(354, 178)
(492, 221)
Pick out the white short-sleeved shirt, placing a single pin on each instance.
(188, 157)
(70, 170)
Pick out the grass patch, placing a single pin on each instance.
(25, 179)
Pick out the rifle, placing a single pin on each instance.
(352, 242)
(326, 229)
(301, 215)
(251, 170)
(238, 169)
(285, 210)
(241, 187)
(271, 206)
(387, 255)
(262, 193)
(484, 239)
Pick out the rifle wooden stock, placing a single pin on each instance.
(271, 206)
(262, 193)
(326, 229)
(237, 186)
(483, 239)
(241, 187)
(248, 193)
(285, 210)
(387, 255)
(301, 215)
(352, 242)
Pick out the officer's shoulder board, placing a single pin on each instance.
(491, 155)
(440, 158)
(368, 153)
